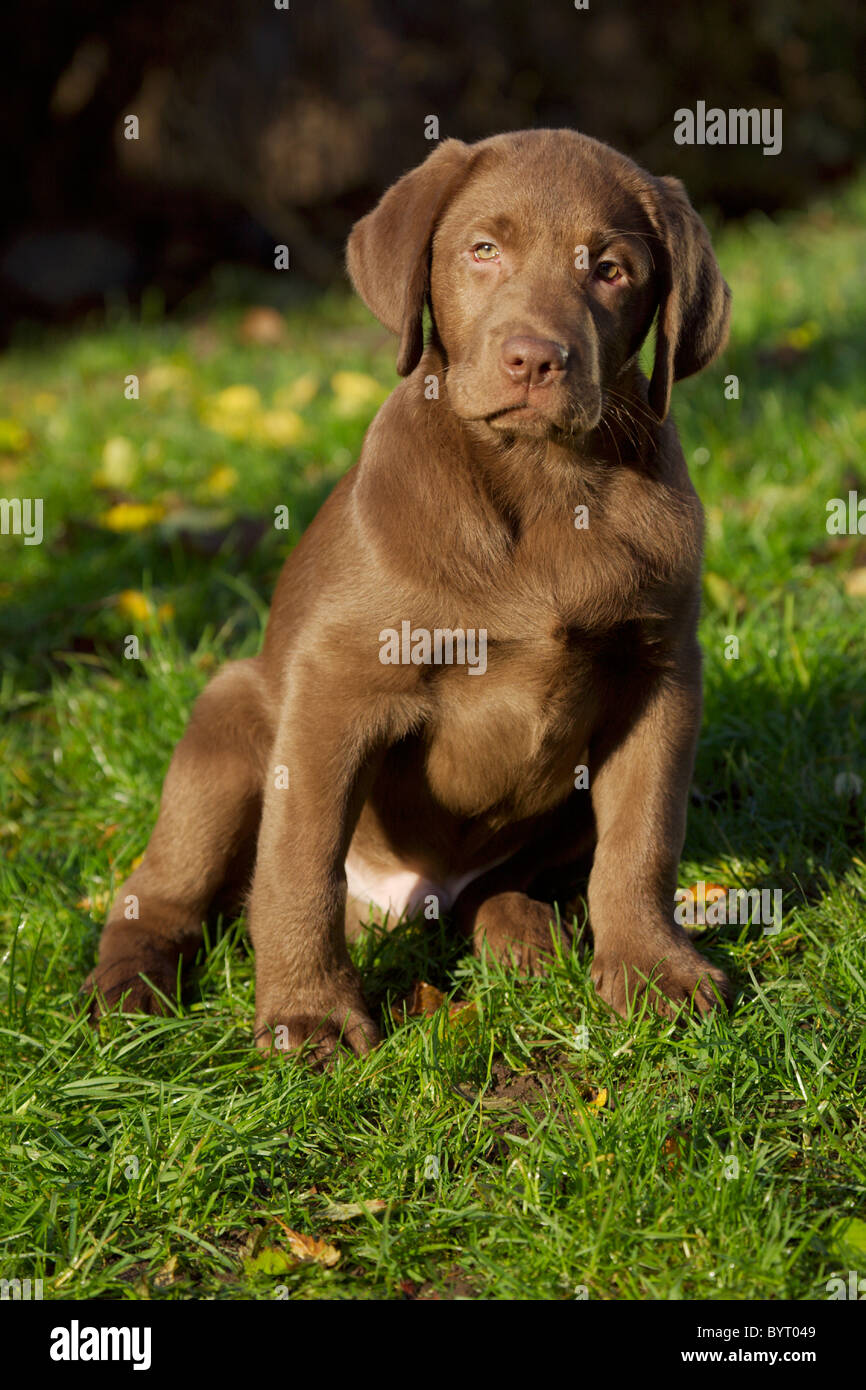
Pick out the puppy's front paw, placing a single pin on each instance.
(673, 977)
(117, 981)
(318, 1028)
(518, 931)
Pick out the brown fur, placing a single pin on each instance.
(460, 514)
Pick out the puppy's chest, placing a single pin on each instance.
(568, 634)
(514, 734)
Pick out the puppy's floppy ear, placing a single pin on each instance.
(388, 253)
(694, 303)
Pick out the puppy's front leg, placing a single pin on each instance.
(639, 788)
(306, 985)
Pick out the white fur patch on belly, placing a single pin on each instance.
(403, 890)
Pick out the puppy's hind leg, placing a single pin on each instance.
(204, 838)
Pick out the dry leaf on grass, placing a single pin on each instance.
(167, 1275)
(672, 1153)
(262, 325)
(347, 1211)
(598, 1101)
(703, 895)
(425, 1000)
(270, 1260)
(309, 1247)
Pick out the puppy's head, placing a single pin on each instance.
(544, 257)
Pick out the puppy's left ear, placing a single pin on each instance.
(694, 302)
(388, 252)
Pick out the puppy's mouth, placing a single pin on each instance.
(571, 419)
(513, 416)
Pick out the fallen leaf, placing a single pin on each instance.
(96, 903)
(262, 325)
(309, 1247)
(133, 604)
(803, 335)
(13, 437)
(271, 1260)
(166, 1276)
(702, 895)
(347, 1211)
(238, 400)
(278, 427)
(232, 412)
(855, 582)
(165, 376)
(355, 392)
(463, 1011)
(298, 394)
(221, 481)
(119, 463)
(672, 1149)
(132, 516)
(599, 1100)
(422, 1000)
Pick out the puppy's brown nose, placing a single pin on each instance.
(533, 361)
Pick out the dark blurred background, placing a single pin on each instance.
(260, 125)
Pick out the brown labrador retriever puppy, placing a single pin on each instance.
(481, 663)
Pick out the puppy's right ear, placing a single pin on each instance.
(388, 253)
(695, 303)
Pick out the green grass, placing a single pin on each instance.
(159, 1158)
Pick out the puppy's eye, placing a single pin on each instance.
(485, 251)
(609, 271)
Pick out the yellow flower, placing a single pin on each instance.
(803, 336)
(119, 463)
(279, 427)
(166, 376)
(355, 392)
(233, 412)
(132, 516)
(221, 481)
(599, 1101)
(13, 437)
(238, 400)
(133, 604)
(298, 394)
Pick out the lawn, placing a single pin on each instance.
(531, 1145)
